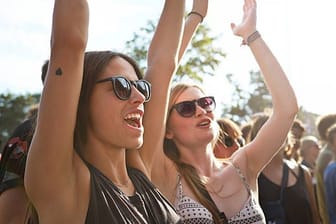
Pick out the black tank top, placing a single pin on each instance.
(295, 198)
(108, 204)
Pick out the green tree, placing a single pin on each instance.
(201, 58)
(13, 110)
(259, 99)
(255, 99)
(247, 101)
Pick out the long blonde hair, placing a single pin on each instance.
(187, 171)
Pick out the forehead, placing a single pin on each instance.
(119, 67)
(190, 93)
(310, 143)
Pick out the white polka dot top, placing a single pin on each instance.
(192, 212)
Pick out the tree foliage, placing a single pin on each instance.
(199, 60)
(246, 102)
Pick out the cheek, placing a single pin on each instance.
(97, 116)
(103, 111)
(181, 124)
(221, 151)
(316, 153)
(334, 142)
(177, 126)
(97, 109)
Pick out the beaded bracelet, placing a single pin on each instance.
(196, 13)
(255, 35)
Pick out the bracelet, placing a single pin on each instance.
(255, 35)
(196, 13)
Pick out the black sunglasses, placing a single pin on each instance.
(188, 108)
(122, 87)
(228, 141)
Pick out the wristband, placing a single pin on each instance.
(255, 35)
(196, 13)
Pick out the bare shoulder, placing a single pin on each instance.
(239, 159)
(295, 166)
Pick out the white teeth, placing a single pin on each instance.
(133, 119)
(134, 116)
(204, 123)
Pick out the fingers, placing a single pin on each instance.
(248, 24)
(250, 3)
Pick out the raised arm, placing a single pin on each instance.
(194, 19)
(50, 166)
(164, 54)
(162, 63)
(274, 132)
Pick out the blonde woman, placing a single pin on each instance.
(203, 189)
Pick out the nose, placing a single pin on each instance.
(137, 96)
(199, 110)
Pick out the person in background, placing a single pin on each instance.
(14, 202)
(15, 207)
(186, 170)
(245, 129)
(323, 123)
(309, 151)
(230, 138)
(298, 199)
(297, 132)
(330, 176)
(91, 111)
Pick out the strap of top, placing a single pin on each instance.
(284, 180)
(179, 187)
(205, 193)
(240, 174)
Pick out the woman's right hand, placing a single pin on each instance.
(249, 21)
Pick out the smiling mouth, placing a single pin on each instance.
(204, 123)
(133, 120)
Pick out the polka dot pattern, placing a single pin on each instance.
(193, 212)
(250, 214)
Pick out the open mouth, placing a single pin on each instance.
(133, 120)
(204, 123)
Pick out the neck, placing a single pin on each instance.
(110, 161)
(203, 160)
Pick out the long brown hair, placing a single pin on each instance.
(187, 171)
(94, 64)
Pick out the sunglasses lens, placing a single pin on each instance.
(186, 109)
(207, 103)
(144, 88)
(122, 88)
(228, 141)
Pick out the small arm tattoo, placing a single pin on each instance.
(59, 71)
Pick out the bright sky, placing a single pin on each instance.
(300, 33)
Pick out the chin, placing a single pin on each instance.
(211, 137)
(136, 145)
